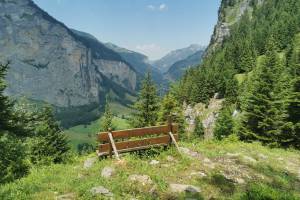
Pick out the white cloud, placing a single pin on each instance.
(162, 7)
(153, 51)
(151, 7)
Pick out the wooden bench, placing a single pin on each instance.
(136, 139)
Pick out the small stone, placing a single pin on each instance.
(100, 190)
(154, 162)
(184, 150)
(262, 156)
(153, 190)
(170, 158)
(142, 179)
(239, 180)
(232, 154)
(179, 188)
(280, 158)
(210, 165)
(88, 163)
(80, 176)
(250, 159)
(69, 196)
(199, 174)
(107, 172)
(189, 152)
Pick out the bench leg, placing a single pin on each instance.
(112, 142)
(174, 141)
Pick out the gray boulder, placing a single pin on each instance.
(142, 179)
(69, 196)
(180, 188)
(100, 190)
(88, 163)
(107, 172)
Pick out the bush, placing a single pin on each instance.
(224, 124)
(199, 129)
(12, 163)
(264, 192)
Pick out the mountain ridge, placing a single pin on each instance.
(174, 56)
(50, 63)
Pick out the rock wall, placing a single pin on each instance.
(207, 114)
(51, 63)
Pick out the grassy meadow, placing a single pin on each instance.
(222, 170)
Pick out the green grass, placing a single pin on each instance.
(273, 175)
(87, 133)
(241, 78)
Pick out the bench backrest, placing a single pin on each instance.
(137, 139)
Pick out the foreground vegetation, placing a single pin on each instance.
(222, 170)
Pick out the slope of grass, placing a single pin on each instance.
(230, 170)
(87, 133)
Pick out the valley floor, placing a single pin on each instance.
(204, 170)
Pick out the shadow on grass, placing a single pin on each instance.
(279, 178)
(224, 184)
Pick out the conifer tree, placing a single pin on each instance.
(12, 151)
(5, 104)
(224, 124)
(146, 107)
(265, 116)
(170, 107)
(49, 143)
(294, 97)
(247, 57)
(107, 123)
(199, 129)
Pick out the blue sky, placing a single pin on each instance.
(152, 27)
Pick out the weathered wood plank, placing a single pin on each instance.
(127, 146)
(154, 130)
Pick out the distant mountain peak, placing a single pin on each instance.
(174, 56)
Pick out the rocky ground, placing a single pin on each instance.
(202, 170)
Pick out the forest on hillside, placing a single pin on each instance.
(256, 69)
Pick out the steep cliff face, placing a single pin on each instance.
(230, 12)
(51, 63)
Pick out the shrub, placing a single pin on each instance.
(264, 192)
(199, 129)
(12, 163)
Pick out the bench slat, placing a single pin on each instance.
(127, 146)
(154, 130)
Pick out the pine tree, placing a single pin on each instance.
(146, 107)
(247, 57)
(224, 124)
(13, 164)
(107, 121)
(5, 104)
(265, 116)
(49, 143)
(12, 150)
(199, 129)
(294, 97)
(169, 106)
